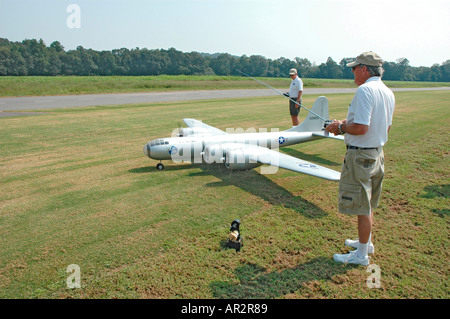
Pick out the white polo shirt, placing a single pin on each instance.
(373, 105)
(296, 87)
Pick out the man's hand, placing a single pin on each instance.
(333, 127)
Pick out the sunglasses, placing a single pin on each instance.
(357, 66)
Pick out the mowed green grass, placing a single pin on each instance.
(64, 85)
(76, 188)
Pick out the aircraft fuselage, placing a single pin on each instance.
(193, 146)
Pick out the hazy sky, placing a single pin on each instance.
(314, 29)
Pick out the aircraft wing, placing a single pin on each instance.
(329, 135)
(192, 123)
(275, 158)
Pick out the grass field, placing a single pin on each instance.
(63, 85)
(77, 189)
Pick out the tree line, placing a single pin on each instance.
(34, 57)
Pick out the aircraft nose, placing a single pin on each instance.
(147, 150)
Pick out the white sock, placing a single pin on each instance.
(363, 250)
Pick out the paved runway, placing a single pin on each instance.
(11, 104)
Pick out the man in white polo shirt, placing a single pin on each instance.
(366, 128)
(295, 95)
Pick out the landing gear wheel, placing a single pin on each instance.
(159, 166)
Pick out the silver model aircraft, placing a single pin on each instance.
(201, 143)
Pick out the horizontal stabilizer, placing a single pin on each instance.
(328, 135)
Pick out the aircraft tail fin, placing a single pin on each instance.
(312, 122)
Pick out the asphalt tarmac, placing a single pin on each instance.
(14, 104)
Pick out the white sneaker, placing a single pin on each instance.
(351, 258)
(355, 244)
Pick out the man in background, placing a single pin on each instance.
(295, 95)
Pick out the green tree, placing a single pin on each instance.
(106, 64)
(279, 67)
(57, 46)
(36, 56)
(258, 65)
(346, 71)
(333, 70)
(4, 60)
(303, 67)
(33, 57)
(223, 64)
(436, 73)
(445, 71)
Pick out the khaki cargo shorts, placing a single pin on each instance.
(361, 180)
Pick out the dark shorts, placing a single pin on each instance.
(361, 180)
(294, 108)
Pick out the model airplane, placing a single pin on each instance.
(201, 143)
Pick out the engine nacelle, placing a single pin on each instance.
(214, 153)
(239, 160)
(193, 131)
